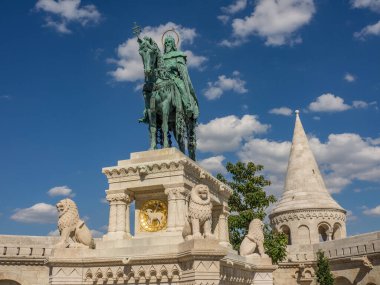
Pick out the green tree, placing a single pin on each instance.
(324, 275)
(249, 201)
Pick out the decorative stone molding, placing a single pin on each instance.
(118, 197)
(284, 217)
(165, 166)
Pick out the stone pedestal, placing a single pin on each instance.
(159, 182)
(165, 175)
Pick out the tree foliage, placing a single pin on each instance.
(249, 201)
(324, 275)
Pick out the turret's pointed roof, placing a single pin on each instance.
(304, 185)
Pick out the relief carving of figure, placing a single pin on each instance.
(73, 231)
(198, 222)
(254, 241)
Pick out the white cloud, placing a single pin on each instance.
(372, 212)
(328, 103)
(235, 7)
(216, 89)
(227, 133)
(195, 61)
(284, 111)
(276, 21)
(61, 191)
(129, 63)
(54, 233)
(223, 18)
(39, 213)
(360, 104)
(96, 234)
(349, 77)
(350, 216)
(373, 5)
(63, 12)
(214, 164)
(343, 158)
(370, 30)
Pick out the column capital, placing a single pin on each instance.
(175, 192)
(118, 197)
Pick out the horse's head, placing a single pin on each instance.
(149, 52)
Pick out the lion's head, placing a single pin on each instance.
(200, 194)
(256, 229)
(67, 213)
(200, 203)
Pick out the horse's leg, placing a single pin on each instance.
(191, 139)
(152, 128)
(165, 125)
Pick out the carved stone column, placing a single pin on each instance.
(181, 208)
(223, 226)
(117, 228)
(172, 208)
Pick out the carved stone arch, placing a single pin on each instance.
(9, 282)
(304, 234)
(337, 231)
(13, 277)
(324, 231)
(341, 280)
(286, 230)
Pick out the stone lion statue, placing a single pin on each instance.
(198, 222)
(254, 240)
(73, 231)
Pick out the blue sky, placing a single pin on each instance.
(70, 96)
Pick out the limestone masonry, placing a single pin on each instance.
(181, 231)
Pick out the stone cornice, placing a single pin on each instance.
(281, 217)
(143, 170)
(23, 261)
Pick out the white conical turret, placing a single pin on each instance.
(306, 209)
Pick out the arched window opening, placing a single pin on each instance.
(342, 281)
(337, 232)
(304, 235)
(324, 231)
(286, 230)
(8, 282)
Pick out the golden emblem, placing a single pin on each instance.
(153, 216)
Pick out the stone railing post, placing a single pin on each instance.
(118, 227)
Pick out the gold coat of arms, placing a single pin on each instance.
(153, 216)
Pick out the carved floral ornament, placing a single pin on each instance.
(118, 197)
(308, 214)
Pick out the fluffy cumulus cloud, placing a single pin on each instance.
(343, 158)
(331, 103)
(60, 13)
(374, 5)
(216, 89)
(370, 30)
(349, 77)
(284, 111)
(39, 213)
(227, 133)
(129, 63)
(60, 191)
(372, 212)
(373, 29)
(275, 21)
(213, 164)
(235, 7)
(328, 103)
